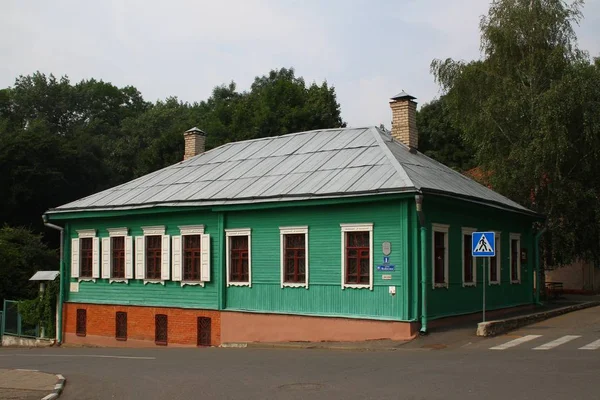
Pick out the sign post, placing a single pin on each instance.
(484, 245)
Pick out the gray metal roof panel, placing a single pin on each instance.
(315, 164)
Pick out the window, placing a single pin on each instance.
(121, 325)
(357, 259)
(81, 322)
(191, 257)
(239, 257)
(204, 325)
(118, 257)
(161, 329)
(469, 264)
(440, 255)
(515, 259)
(495, 262)
(153, 257)
(85, 252)
(294, 256)
(85, 255)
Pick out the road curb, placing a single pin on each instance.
(497, 327)
(58, 388)
(311, 346)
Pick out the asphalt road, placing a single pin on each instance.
(462, 369)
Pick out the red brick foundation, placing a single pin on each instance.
(100, 327)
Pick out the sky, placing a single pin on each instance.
(368, 50)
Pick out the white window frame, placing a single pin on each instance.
(157, 231)
(107, 269)
(293, 230)
(468, 231)
(498, 266)
(363, 227)
(188, 230)
(81, 234)
(445, 229)
(238, 232)
(515, 236)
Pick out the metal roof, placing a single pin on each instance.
(403, 95)
(44, 276)
(326, 163)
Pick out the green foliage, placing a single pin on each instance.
(440, 140)
(530, 109)
(42, 309)
(22, 253)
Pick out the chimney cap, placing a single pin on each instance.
(196, 131)
(403, 96)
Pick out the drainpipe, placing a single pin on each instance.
(61, 294)
(419, 203)
(537, 266)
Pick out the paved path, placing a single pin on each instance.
(25, 384)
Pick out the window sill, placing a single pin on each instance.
(494, 283)
(239, 284)
(86, 279)
(146, 281)
(356, 286)
(294, 285)
(192, 283)
(118, 280)
(515, 282)
(440, 286)
(469, 284)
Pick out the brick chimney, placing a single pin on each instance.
(404, 119)
(194, 142)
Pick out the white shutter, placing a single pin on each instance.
(165, 268)
(177, 252)
(128, 257)
(95, 257)
(205, 258)
(74, 258)
(140, 257)
(106, 258)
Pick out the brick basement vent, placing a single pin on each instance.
(81, 325)
(161, 328)
(121, 325)
(204, 331)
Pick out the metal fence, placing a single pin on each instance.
(12, 323)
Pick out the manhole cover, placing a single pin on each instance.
(301, 386)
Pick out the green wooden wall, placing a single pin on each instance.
(457, 299)
(324, 295)
(135, 292)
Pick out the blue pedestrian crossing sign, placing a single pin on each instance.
(484, 244)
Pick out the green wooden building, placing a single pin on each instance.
(337, 234)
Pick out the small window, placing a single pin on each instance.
(515, 259)
(204, 328)
(191, 257)
(294, 256)
(469, 264)
(161, 329)
(81, 322)
(239, 257)
(357, 259)
(121, 325)
(440, 255)
(153, 257)
(86, 251)
(495, 262)
(118, 257)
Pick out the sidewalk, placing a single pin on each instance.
(443, 333)
(21, 384)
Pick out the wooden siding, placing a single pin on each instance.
(324, 295)
(457, 299)
(135, 292)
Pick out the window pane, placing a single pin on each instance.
(294, 253)
(358, 257)
(85, 255)
(514, 260)
(118, 257)
(153, 257)
(191, 257)
(238, 259)
(440, 257)
(467, 259)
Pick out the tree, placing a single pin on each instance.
(530, 108)
(22, 253)
(440, 140)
